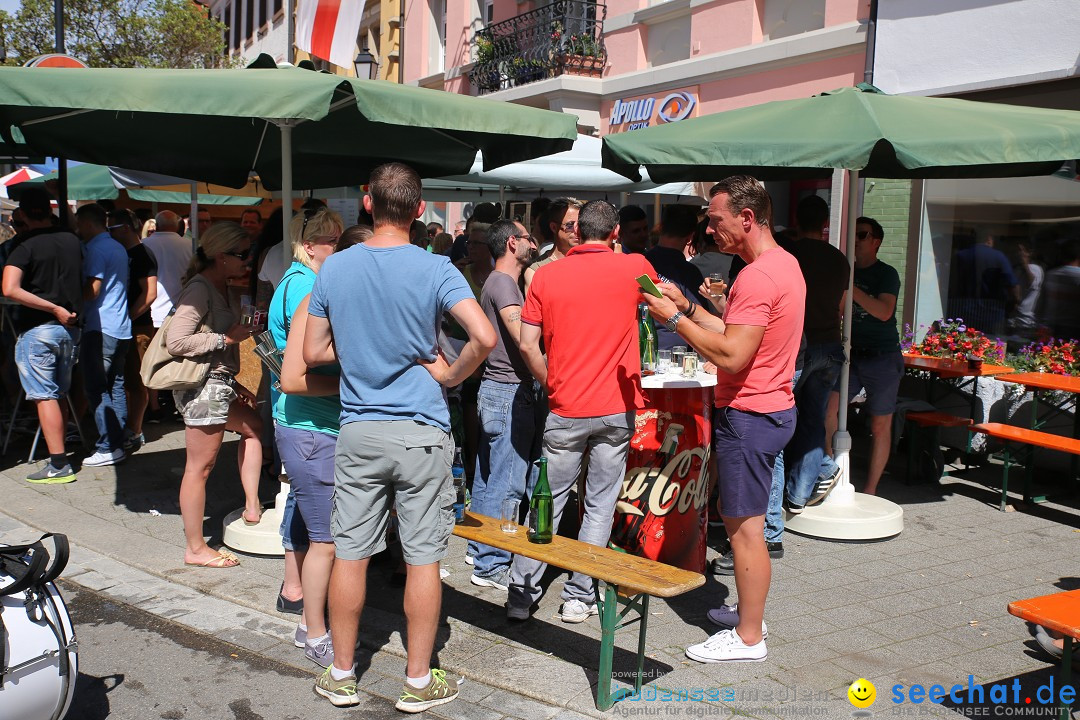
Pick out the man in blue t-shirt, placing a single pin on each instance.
(106, 334)
(375, 309)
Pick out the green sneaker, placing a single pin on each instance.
(48, 475)
(338, 692)
(438, 692)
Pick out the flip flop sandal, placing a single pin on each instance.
(224, 559)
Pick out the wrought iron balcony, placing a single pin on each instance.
(565, 37)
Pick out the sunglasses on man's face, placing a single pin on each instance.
(861, 234)
(569, 226)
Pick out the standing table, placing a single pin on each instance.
(661, 511)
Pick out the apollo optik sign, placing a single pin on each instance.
(639, 112)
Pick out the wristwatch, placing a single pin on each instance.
(673, 321)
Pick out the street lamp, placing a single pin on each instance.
(365, 63)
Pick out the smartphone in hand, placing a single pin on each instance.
(649, 286)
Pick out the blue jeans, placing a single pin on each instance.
(607, 438)
(774, 516)
(44, 356)
(805, 455)
(102, 357)
(509, 443)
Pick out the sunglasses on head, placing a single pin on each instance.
(308, 214)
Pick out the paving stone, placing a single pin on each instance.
(517, 706)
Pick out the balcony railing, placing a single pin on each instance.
(565, 37)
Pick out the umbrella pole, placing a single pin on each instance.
(194, 217)
(286, 189)
(842, 439)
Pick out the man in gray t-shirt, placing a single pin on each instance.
(509, 440)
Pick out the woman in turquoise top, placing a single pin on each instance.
(306, 429)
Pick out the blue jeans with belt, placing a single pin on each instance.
(102, 357)
(509, 443)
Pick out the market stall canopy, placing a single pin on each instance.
(859, 128)
(97, 182)
(21, 175)
(218, 125)
(578, 168)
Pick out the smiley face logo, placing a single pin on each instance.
(862, 693)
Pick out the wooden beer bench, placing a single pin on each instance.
(629, 581)
(927, 422)
(1023, 436)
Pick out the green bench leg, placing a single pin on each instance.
(1005, 480)
(608, 612)
(609, 623)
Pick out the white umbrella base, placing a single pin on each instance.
(261, 539)
(863, 517)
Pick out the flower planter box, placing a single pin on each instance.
(585, 65)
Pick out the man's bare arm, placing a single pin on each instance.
(11, 285)
(469, 316)
(295, 378)
(511, 320)
(881, 307)
(146, 297)
(730, 351)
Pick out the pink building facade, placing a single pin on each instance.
(646, 62)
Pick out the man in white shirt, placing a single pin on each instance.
(173, 254)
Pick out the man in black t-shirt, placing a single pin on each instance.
(142, 291)
(44, 275)
(876, 361)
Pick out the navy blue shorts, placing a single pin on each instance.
(746, 445)
(308, 457)
(880, 375)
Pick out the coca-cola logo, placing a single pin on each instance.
(675, 487)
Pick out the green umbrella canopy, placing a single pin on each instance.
(217, 125)
(96, 182)
(860, 128)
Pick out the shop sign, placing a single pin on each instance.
(642, 112)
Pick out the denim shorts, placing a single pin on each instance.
(206, 405)
(44, 356)
(308, 457)
(880, 375)
(746, 445)
(399, 463)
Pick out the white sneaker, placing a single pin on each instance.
(575, 611)
(101, 459)
(300, 636)
(727, 616)
(727, 646)
(500, 580)
(469, 560)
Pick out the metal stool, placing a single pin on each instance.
(37, 433)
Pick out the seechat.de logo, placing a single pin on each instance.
(675, 107)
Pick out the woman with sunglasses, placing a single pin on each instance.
(205, 325)
(306, 431)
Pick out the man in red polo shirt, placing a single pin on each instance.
(754, 348)
(585, 307)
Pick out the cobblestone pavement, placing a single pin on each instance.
(927, 607)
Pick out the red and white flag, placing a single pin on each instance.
(328, 28)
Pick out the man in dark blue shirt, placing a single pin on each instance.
(668, 258)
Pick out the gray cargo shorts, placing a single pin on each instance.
(403, 464)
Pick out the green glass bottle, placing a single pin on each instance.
(540, 508)
(646, 341)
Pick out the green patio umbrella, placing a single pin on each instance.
(97, 182)
(860, 130)
(218, 125)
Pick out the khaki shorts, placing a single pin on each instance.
(207, 405)
(402, 464)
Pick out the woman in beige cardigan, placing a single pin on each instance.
(206, 326)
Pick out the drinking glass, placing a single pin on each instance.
(508, 515)
(677, 353)
(663, 361)
(716, 280)
(690, 365)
